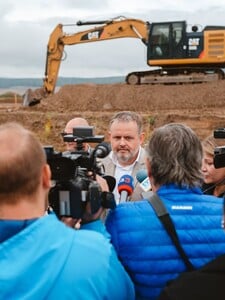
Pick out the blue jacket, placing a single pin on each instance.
(48, 260)
(145, 248)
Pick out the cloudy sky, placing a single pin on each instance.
(25, 27)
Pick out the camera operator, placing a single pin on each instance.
(214, 178)
(73, 123)
(85, 148)
(72, 145)
(40, 257)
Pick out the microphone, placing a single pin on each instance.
(125, 187)
(102, 150)
(143, 179)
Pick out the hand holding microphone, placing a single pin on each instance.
(125, 187)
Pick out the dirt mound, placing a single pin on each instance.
(200, 106)
(145, 98)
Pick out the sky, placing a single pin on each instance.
(25, 27)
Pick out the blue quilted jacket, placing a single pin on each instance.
(145, 248)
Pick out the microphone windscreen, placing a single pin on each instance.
(103, 149)
(126, 183)
(111, 181)
(141, 175)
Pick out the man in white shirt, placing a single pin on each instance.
(127, 156)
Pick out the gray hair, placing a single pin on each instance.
(128, 116)
(175, 154)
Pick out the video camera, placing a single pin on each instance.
(74, 175)
(219, 152)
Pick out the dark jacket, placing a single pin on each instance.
(206, 283)
(208, 189)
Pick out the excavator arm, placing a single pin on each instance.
(119, 27)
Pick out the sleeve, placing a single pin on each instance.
(111, 227)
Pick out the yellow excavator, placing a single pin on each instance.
(177, 54)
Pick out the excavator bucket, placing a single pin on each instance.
(33, 97)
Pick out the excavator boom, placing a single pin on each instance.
(119, 27)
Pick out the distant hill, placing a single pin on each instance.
(6, 83)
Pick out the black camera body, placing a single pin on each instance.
(219, 152)
(74, 174)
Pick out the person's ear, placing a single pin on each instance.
(142, 138)
(46, 176)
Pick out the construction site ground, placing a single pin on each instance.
(201, 106)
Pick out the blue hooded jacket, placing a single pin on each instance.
(48, 260)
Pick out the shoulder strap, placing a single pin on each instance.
(166, 220)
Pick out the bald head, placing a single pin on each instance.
(75, 122)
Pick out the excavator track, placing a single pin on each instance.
(164, 77)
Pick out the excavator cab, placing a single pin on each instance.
(171, 46)
(180, 55)
(171, 41)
